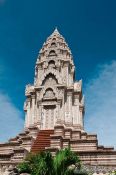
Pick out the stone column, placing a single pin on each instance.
(35, 113)
(26, 119)
(38, 109)
(25, 109)
(58, 112)
(40, 73)
(33, 110)
(66, 74)
(38, 115)
(76, 110)
(61, 96)
(81, 116)
(42, 122)
(63, 108)
(28, 115)
(68, 112)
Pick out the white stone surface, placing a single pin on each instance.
(54, 98)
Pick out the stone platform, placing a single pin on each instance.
(15, 150)
(94, 157)
(98, 157)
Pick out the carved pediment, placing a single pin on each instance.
(49, 94)
(50, 80)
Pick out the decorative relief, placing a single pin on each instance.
(29, 88)
(72, 69)
(60, 93)
(45, 65)
(51, 64)
(49, 94)
(50, 81)
(77, 86)
(57, 63)
(64, 79)
(52, 53)
(99, 169)
(53, 72)
(43, 91)
(50, 103)
(47, 118)
(52, 118)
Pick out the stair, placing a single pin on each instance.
(42, 140)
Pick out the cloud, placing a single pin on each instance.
(11, 122)
(100, 93)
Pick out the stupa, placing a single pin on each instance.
(54, 113)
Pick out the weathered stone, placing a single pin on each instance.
(55, 102)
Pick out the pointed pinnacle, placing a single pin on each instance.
(56, 30)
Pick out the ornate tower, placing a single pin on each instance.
(54, 110)
(55, 98)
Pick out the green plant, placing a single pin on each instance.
(65, 162)
(63, 159)
(24, 168)
(113, 172)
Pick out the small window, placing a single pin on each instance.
(51, 64)
(54, 39)
(52, 53)
(53, 44)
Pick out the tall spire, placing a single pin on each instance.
(55, 42)
(56, 31)
(54, 97)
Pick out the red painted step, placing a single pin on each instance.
(42, 140)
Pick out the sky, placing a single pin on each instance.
(89, 28)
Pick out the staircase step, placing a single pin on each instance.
(42, 140)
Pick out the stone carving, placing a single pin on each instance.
(56, 102)
(51, 64)
(55, 91)
(78, 86)
(29, 88)
(52, 53)
(54, 72)
(99, 169)
(49, 94)
(60, 93)
(50, 81)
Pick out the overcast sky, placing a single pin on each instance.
(89, 28)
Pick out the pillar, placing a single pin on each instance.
(58, 117)
(28, 121)
(76, 110)
(33, 109)
(68, 112)
(81, 117)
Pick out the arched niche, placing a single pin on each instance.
(51, 64)
(49, 93)
(54, 73)
(50, 80)
(53, 44)
(52, 53)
